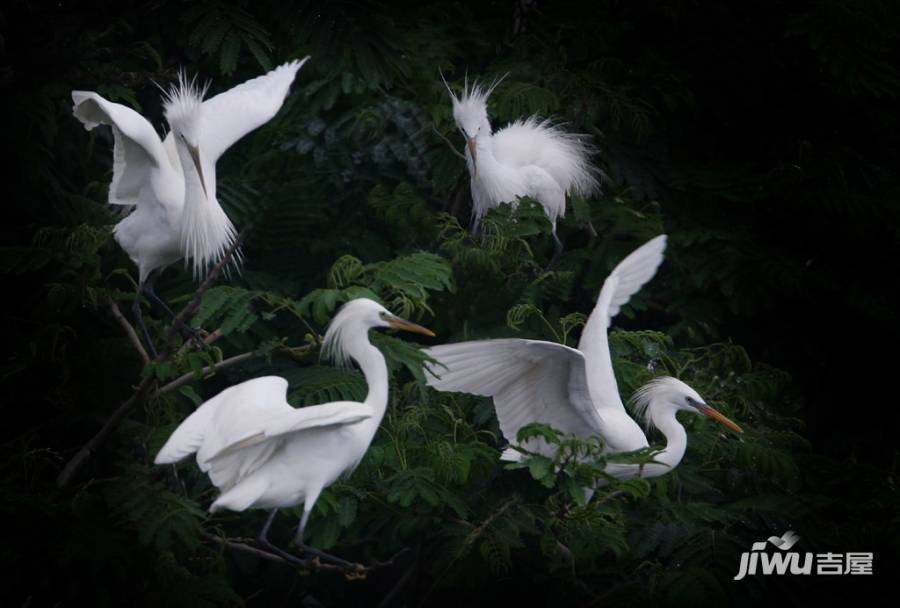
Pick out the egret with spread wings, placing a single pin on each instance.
(168, 187)
(261, 452)
(574, 390)
(530, 157)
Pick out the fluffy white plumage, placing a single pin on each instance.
(574, 390)
(170, 185)
(261, 452)
(530, 157)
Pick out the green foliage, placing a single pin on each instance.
(781, 214)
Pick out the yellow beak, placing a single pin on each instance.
(473, 152)
(720, 417)
(398, 323)
(195, 156)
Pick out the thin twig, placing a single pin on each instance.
(206, 371)
(142, 392)
(129, 331)
(224, 363)
(352, 572)
(81, 456)
(192, 306)
(448, 142)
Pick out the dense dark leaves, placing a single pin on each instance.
(761, 138)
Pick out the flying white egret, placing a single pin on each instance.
(530, 157)
(262, 453)
(574, 390)
(168, 187)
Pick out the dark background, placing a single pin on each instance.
(761, 136)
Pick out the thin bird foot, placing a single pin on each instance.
(139, 318)
(289, 557)
(352, 571)
(327, 557)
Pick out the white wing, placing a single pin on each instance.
(623, 282)
(529, 380)
(238, 430)
(229, 116)
(137, 150)
(565, 156)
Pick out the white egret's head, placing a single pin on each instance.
(665, 394)
(470, 111)
(183, 109)
(351, 325)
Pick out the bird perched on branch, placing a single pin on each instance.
(574, 390)
(168, 187)
(263, 453)
(530, 157)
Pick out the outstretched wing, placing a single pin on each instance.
(229, 116)
(623, 282)
(238, 430)
(529, 380)
(137, 150)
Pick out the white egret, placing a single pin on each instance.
(262, 453)
(530, 157)
(574, 390)
(168, 187)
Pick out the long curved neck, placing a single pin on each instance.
(676, 443)
(374, 368)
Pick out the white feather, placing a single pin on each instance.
(176, 215)
(530, 157)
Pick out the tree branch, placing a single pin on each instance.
(141, 393)
(224, 363)
(81, 456)
(192, 306)
(129, 331)
(352, 572)
(448, 142)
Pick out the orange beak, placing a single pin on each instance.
(398, 323)
(720, 417)
(473, 152)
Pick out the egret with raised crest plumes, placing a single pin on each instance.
(531, 157)
(575, 390)
(260, 452)
(168, 186)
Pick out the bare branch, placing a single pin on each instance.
(224, 363)
(188, 311)
(351, 572)
(129, 331)
(448, 142)
(143, 389)
(143, 392)
(81, 456)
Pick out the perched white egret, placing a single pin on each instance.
(574, 390)
(530, 157)
(262, 453)
(168, 187)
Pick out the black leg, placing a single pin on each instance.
(148, 289)
(264, 533)
(557, 253)
(186, 330)
(325, 557)
(139, 319)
